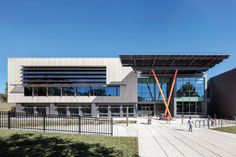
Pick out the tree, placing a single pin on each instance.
(3, 96)
(187, 89)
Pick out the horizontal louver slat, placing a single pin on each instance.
(55, 75)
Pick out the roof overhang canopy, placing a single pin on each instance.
(167, 64)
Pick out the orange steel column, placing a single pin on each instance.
(160, 90)
(171, 89)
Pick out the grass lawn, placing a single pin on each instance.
(229, 129)
(15, 143)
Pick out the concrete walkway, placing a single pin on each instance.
(173, 140)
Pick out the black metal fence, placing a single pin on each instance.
(77, 124)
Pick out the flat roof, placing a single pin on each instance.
(167, 63)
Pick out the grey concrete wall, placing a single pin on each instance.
(222, 90)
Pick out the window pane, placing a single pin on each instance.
(74, 111)
(97, 91)
(54, 91)
(192, 107)
(28, 91)
(112, 91)
(40, 91)
(200, 87)
(61, 111)
(103, 111)
(29, 110)
(83, 91)
(115, 111)
(179, 108)
(41, 110)
(70, 91)
(199, 107)
(130, 111)
(86, 110)
(186, 108)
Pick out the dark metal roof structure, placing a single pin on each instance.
(167, 64)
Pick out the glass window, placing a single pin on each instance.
(115, 111)
(40, 91)
(61, 111)
(86, 110)
(186, 107)
(190, 87)
(74, 111)
(54, 91)
(179, 92)
(146, 87)
(28, 91)
(164, 90)
(97, 91)
(179, 108)
(83, 91)
(192, 106)
(103, 111)
(130, 111)
(199, 107)
(112, 91)
(29, 110)
(41, 110)
(69, 91)
(200, 87)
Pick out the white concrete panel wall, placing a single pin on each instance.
(115, 73)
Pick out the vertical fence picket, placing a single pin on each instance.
(9, 120)
(44, 122)
(80, 124)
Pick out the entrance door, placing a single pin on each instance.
(146, 110)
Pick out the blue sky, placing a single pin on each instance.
(107, 28)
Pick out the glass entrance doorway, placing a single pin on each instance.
(145, 109)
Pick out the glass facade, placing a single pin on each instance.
(148, 90)
(91, 79)
(54, 91)
(72, 91)
(115, 111)
(190, 96)
(130, 111)
(103, 111)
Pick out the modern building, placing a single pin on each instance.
(135, 84)
(221, 94)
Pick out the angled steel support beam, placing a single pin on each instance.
(162, 95)
(171, 89)
(150, 92)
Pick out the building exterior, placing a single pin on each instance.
(135, 84)
(222, 94)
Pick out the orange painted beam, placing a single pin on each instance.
(171, 89)
(160, 90)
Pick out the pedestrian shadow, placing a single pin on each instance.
(179, 129)
(145, 123)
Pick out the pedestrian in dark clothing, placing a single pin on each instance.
(190, 123)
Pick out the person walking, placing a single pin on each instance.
(190, 123)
